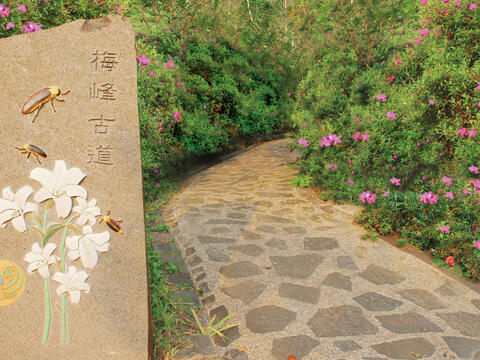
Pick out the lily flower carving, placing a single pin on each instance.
(15, 206)
(60, 185)
(72, 283)
(87, 211)
(40, 259)
(86, 246)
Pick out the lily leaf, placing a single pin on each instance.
(75, 229)
(52, 229)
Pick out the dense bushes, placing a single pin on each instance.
(407, 116)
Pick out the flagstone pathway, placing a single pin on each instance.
(298, 278)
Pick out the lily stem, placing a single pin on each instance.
(48, 313)
(64, 296)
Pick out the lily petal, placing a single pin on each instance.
(44, 177)
(22, 195)
(71, 177)
(75, 190)
(44, 272)
(88, 253)
(19, 224)
(60, 169)
(74, 296)
(63, 206)
(8, 194)
(42, 195)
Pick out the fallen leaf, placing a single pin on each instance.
(269, 267)
(290, 357)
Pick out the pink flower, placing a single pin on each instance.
(431, 102)
(4, 10)
(386, 194)
(467, 192)
(179, 84)
(143, 60)
(418, 41)
(449, 260)
(449, 195)
(367, 196)
(350, 182)
(445, 229)
(204, 106)
(357, 135)
(170, 64)
(423, 2)
(462, 132)
(390, 78)
(395, 181)
(447, 180)
(357, 119)
(333, 167)
(9, 25)
(477, 244)
(31, 27)
(429, 197)
(304, 124)
(381, 97)
(177, 115)
(473, 169)
(472, 6)
(472, 133)
(155, 171)
(391, 115)
(365, 137)
(22, 8)
(303, 142)
(476, 184)
(151, 73)
(424, 32)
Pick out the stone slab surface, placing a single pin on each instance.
(310, 287)
(95, 129)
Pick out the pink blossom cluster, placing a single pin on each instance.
(367, 196)
(4, 11)
(428, 197)
(359, 136)
(330, 139)
(333, 167)
(143, 60)
(303, 142)
(463, 132)
(391, 115)
(381, 97)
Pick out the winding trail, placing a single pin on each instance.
(299, 279)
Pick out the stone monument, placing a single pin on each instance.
(73, 270)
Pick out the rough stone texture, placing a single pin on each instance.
(269, 318)
(277, 244)
(240, 269)
(345, 320)
(320, 244)
(200, 345)
(117, 305)
(250, 249)
(407, 323)
(463, 347)
(338, 281)
(246, 291)
(216, 255)
(298, 266)
(305, 294)
(476, 302)
(347, 345)
(406, 349)
(298, 346)
(234, 354)
(189, 295)
(346, 262)
(467, 323)
(422, 298)
(375, 302)
(380, 276)
(207, 239)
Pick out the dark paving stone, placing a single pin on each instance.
(294, 229)
(407, 323)
(298, 346)
(445, 289)
(205, 288)
(293, 202)
(190, 296)
(329, 209)
(164, 247)
(422, 297)
(344, 320)
(162, 237)
(467, 323)
(249, 235)
(226, 221)
(476, 303)
(207, 239)
(217, 255)
(250, 249)
(346, 262)
(406, 348)
(298, 266)
(195, 260)
(215, 205)
(320, 243)
(380, 276)
(374, 358)
(338, 281)
(274, 219)
(240, 269)
(229, 336)
(246, 291)
(208, 300)
(198, 270)
(219, 312)
(306, 294)
(266, 229)
(167, 259)
(179, 278)
(234, 354)
(347, 345)
(277, 244)
(201, 345)
(463, 347)
(236, 215)
(269, 318)
(376, 302)
(200, 277)
(219, 230)
(190, 251)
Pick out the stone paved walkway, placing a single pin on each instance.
(300, 280)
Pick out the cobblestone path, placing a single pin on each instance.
(300, 280)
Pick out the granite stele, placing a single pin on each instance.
(73, 270)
